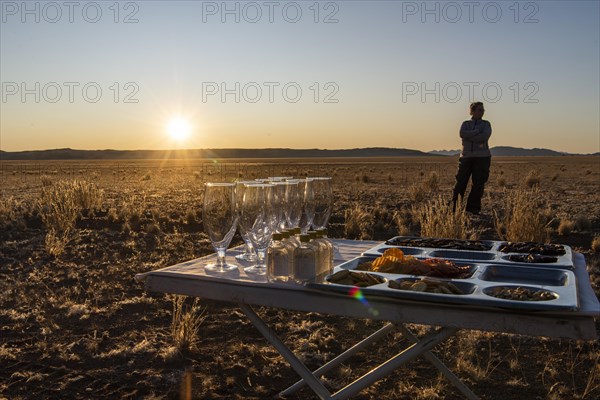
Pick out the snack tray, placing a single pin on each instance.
(492, 256)
(486, 277)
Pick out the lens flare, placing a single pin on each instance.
(358, 295)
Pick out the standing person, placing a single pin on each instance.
(475, 158)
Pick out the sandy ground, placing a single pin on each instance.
(78, 326)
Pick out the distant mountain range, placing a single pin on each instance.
(71, 154)
(509, 151)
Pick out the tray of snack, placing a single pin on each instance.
(536, 254)
(394, 274)
(485, 251)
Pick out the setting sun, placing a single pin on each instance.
(179, 129)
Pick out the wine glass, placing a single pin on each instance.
(258, 218)
(323, 193)
(305, 189)
(293, 204)
(279, 204)
(220, 220)
(279, 178)
(249, 253)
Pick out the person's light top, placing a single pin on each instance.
(475, 134)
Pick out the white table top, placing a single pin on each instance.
(189, 278)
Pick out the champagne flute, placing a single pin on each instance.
(220, 220)
(323, 192)
(249, 254)
(293, 204)
(308, 204)
(258, 218)
(279, 204)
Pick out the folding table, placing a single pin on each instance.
(189, 278)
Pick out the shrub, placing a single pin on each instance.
(596, 244)
(565, 227)
(190, 216)
(58, 211)
(59, 206)
(439, 218)
(46, 181)
(416, 193)
(9, 212)
(86, 195)
(358, 222)
(152, 228)
(403, 221)
(185, 323)
(132, 210)
(522, 217)
(582, 223)
(432, 183)
(532, 179)
(501, 181)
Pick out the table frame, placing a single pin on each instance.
(449, 318)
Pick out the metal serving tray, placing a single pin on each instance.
(493, 255)
(484, 280)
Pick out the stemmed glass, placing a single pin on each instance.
(249, 254)
(323, 193)
(293, 204)
(279, 204)
(306, 193)
(258, 218)
(220, 220)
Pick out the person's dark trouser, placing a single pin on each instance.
(479, 169)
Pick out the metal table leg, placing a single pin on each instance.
(342, 357)
(419, 347)
(440, 365)
(298, 366)
(425, 344)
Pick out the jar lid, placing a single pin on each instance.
(277, 236)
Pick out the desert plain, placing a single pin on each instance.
(75, 324)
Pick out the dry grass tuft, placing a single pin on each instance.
(359, 222)
(417, 193)
(523, 218)
(596, 244)
(583, 223)
(532, 179)
(45, 180)
(403, 220)
(185, 323)
(501, 181)
(132, 210)
(432, 183)
(59, 206)
(565, 227)
(439, 218)
(9, 212)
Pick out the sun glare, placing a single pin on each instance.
(179, 129)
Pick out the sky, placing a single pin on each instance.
(304, 74)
